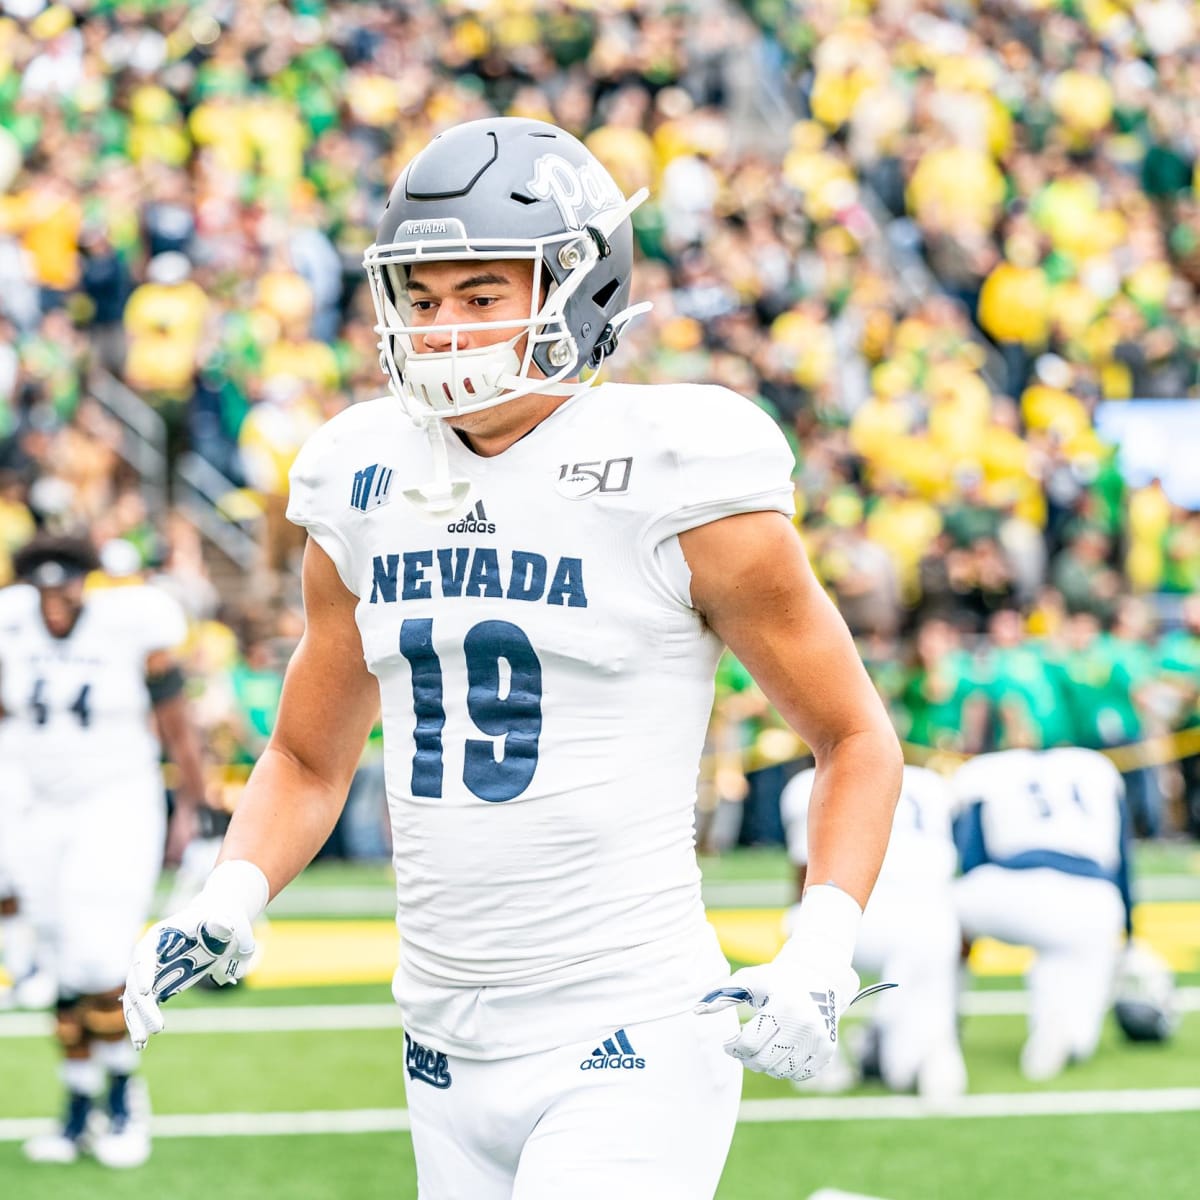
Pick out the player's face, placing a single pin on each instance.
(61, 606)
(452, 293)
(460, 293)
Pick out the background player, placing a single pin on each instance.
(80, 674)
(909, 934)
(546, 671)
(1043, 837)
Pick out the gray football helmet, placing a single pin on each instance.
(504, 188)
(1144, 1001)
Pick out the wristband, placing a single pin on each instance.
(238, 881)
(824, 925)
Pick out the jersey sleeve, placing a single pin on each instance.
(157, 619)
(730, 457)
(319, 494)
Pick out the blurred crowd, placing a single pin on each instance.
(929, 236)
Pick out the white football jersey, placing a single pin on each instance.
(546, 687)
(77, 712)
(921, 855)
(1044, 807)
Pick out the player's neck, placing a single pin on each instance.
(494, 430)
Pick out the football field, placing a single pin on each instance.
(292, 1086)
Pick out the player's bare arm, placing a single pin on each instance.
(298, 787)
(165, 683)
(752, 583)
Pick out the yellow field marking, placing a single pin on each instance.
(312, 953)
(319, 952)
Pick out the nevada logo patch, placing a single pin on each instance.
(371, 486)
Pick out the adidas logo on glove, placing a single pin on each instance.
(614, 1053)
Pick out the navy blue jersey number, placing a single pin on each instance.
(513, 713)
(40, 706)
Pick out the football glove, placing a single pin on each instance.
(213, 936)
(800, 995)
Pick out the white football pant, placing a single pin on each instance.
(1073, 924)
(86, 879)
(647, 1110)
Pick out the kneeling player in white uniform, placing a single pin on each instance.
(1043, 838)
(79, 678)
(535, 580)
(909, 934)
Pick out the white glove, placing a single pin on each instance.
(213, 935)
(801, 994)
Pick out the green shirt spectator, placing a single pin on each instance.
(1098, 681)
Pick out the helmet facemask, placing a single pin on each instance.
(456, 381)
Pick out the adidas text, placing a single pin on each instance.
(476, 521)
(470, 526)
(625, 1062)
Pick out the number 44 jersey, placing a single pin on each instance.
(545, 686)
(77, 713)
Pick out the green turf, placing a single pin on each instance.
(1032, 1158)
(296, 1070)
(747, 865)
(342, 1167)
(1009, 1158)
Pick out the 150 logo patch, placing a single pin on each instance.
(578, 480)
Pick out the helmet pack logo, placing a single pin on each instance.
(579, 191)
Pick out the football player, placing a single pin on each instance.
(909, 934)
(1043, 837)
(535, 577)
(80, 675)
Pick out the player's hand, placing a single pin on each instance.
(801, 994)
(214, 936)
(795, 1031)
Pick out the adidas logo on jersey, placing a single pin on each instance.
(371, 486)
(827, 1005)
(429, 1066)
(614, 1053)
(475, 521)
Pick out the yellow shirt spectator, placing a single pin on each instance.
(956, 185)
(1084, 104)
(285, 295)
(46, 217)
(274, 430)
(311, 361)
(176, 310)
(905, 527)
(1014, 304)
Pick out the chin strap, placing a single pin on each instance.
(441, 496)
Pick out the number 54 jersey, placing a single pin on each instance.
(545, 686)
(77, 713)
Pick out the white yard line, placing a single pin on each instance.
(753, 1112)
(225, 1017)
